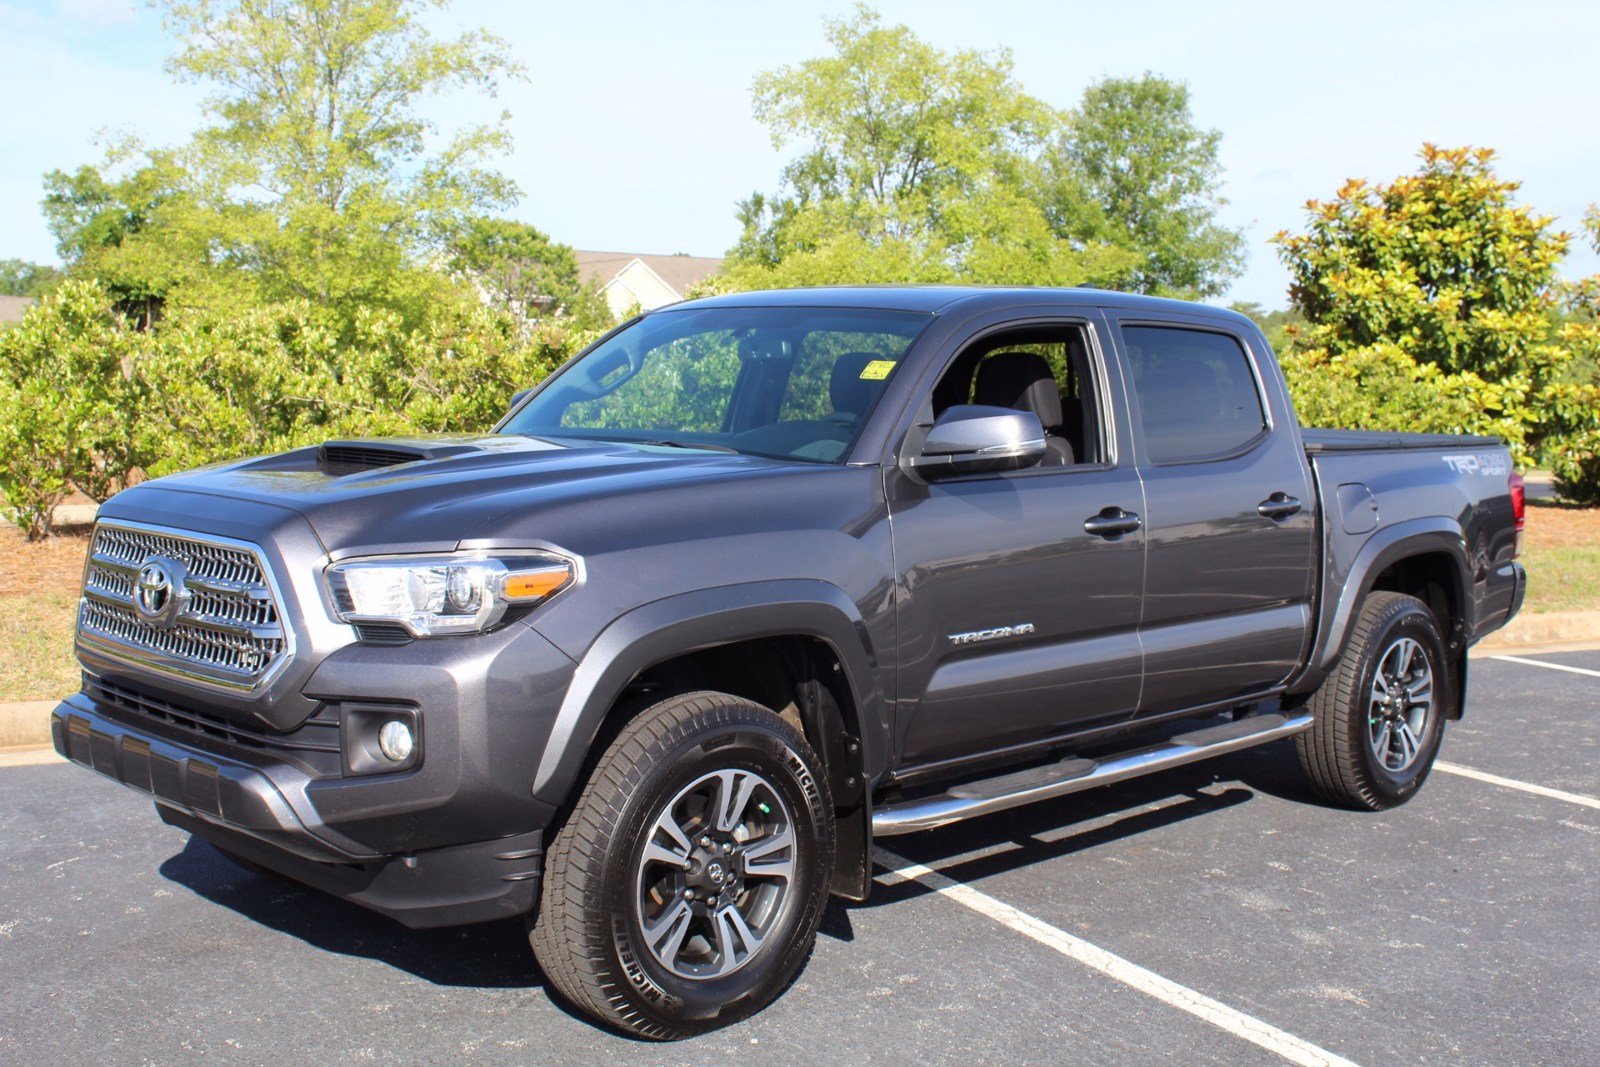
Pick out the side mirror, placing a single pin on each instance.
(516, 398)
(972, 438)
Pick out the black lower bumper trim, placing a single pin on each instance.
(206, 785)
(441, 887)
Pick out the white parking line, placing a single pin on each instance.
(1111, 965)
(1548, 666)
(1512, 783)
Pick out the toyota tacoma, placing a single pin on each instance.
(757, 579)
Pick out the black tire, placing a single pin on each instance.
(589, 931)
(1339, 753)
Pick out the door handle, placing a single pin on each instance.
(1278, 506)
(1112, 523)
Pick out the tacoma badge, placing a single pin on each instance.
(971, 636)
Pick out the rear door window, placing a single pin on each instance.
(1197, 394)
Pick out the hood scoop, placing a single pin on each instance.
(338, 458)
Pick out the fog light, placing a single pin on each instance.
(395, 740)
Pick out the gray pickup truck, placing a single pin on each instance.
(756, 579)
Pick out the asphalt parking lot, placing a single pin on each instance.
(1213, 914)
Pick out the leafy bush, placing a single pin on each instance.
(455, 373)
(1432, 302)
(87, 402)
(1380, 387)
(272, 378)
(1577, 468)
(1574, 450)
(67, 404)
(225, 387)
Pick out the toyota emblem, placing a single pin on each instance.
(160, 593)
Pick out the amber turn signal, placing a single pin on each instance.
(521, 587)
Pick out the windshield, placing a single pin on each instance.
(792, 383)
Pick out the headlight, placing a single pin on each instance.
(437, 595)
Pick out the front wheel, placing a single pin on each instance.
(1378, 718)
(685, 890)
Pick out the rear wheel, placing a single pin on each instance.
(685, 890)
(1379, 717)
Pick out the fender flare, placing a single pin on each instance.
(1410, 538)
(686, 623)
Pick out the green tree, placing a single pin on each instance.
(1433, 286)
(1442, 263)
(1573, 403)
(1131, 169)
(132, 227)
(21, 278)
(916, 165)
(316, 178)
(526, 274)
(292, 270)
(1275, 324)
(338, 189)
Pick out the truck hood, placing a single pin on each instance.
(431, 493)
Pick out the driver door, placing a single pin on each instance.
(1017, 624)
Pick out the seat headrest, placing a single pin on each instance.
(850, 393)
(1020, 380)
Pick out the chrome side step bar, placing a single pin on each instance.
(1074, 775)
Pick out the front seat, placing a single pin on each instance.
(1022, 380)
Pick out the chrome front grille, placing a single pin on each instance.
(228, 629)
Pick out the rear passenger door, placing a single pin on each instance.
(1230, 512)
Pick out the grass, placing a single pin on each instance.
(38, 606)
(1561, 549)
(39, 592)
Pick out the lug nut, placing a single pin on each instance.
(688, 894)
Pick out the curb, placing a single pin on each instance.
(28, 722)
(1550, 628)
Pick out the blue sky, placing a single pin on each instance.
(634, 131)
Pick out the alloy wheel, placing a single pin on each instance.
(715, 874)
(1400, 704)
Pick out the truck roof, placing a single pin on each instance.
(939, 298)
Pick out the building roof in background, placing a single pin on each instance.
(679, 272)
(13, 307)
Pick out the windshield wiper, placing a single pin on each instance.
(697, 445)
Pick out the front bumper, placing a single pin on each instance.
(456, 837)
(245, 808)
